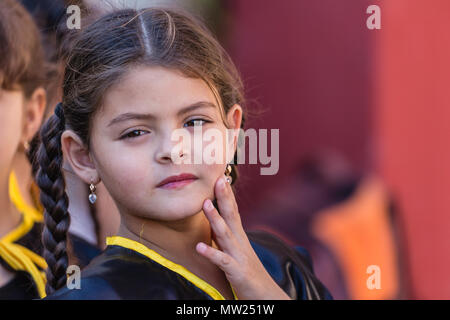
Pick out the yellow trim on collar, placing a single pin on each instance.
(16, 197)
(153, 255)
(15, 255)
(25, 226)
(21, 258)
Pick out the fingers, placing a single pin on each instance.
(223, 260)
(224, 236)
(227, 205)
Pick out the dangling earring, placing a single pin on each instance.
(228, 174)
(26, 146)
(92, 195)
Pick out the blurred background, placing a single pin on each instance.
(363, 115)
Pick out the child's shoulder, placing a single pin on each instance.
(92, 288)
(120, 273)
(93, 283)
(268, 242)
(291, 267)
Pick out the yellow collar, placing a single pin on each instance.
(36, 214)
(30, 215)
(17, 256)
(153, 255)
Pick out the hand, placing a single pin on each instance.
(235, 256)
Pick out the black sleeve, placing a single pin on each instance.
(290, 267)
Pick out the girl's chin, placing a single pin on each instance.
(176, 210)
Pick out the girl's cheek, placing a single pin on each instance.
(10, 126)
(213, 147)
(124, 170)
(129, 172)
(211, 173)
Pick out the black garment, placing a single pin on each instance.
(22, 286)
(123, 273)
(84, 251)
(31, 240)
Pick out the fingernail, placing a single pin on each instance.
(222, 183)
(208, 204)
(201, 247)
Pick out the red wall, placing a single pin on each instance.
(412, 128)
(307, 62)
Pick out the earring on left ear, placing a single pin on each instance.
(26, 146)
(92, 195)
(228, 174)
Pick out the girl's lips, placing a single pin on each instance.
(177, 181)
(177, 184)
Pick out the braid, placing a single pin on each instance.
(54, 199)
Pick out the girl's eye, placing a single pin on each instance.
(133, 134)
(197, 122)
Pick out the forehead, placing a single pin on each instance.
(155, 90)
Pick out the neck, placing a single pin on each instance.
(174, 240)
(9, 216)
(22, 170)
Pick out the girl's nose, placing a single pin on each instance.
(173, 146)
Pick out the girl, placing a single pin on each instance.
(22, 104)
(44, 68)
(24, 73)
(134, 78)
(89, 222)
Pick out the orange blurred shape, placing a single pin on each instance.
(360, 234)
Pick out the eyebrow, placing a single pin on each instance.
(148, 116)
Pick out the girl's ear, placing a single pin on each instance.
(234, 120)
(78, 156)
(33, 114)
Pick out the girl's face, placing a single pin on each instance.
(132, 148)
(11, 106)
(20, 119)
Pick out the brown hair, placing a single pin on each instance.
(100, 56)
(22, 58)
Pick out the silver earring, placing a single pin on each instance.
(92, 195)
(228, 174)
